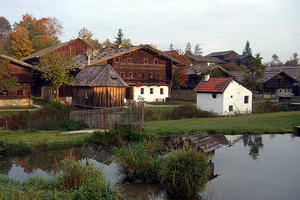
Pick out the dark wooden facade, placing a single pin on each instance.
(96, 97)
(19, 95)
(281, 82)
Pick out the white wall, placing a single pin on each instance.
(205, 101)
(156, 96)
(234, 95)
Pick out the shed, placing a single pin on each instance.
(99, 86)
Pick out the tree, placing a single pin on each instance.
(171, 48)
(178, 54)
(197, 50)
(107, 43)
(20, 46)
(86, 35)
(234, 67)
(247, 49)
(56, 69)
(294, 61)
(180, 77)
(188, 47)
(127, 43)
(5, 29)
(42, 32)
(7, 81)
(120, 37)
(275, 62)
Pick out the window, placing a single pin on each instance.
(151, 76)
(231, 96)
(161, 90)
(128, 60)
(151, 90)
(140, 76)
(155, 61)
(20, 92)
(4, 93)
(145, 60)
(122, 74)
(230, 108)
(142, 90)
(214, 96)
(130, 74)
(246, 99)
(117, 60)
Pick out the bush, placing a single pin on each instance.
(20, 148)
(190, 111)
(185, 172)
(136, 163)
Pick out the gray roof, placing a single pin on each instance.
(109, 53)
(292, 71)
(47, 50)
(202, 70)
(204, 58)
(94, 76)
(219, 53)
(238, 75)
(15, 61)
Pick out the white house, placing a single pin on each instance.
(223, 96)
(151, 93)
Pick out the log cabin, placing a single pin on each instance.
(19, 95)
(40, 87)
(146, 70)
(97, 87)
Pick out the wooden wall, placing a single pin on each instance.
(279, 81)
(99, 96)
(74, 47)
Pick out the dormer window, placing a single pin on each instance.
(145, 60)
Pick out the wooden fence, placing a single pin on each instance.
(108, 118)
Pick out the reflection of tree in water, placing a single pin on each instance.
(255, 143)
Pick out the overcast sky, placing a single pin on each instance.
(271, 26)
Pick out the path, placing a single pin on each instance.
(83, 131)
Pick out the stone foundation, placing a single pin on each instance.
(15, 102)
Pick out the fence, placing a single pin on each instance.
(107, 118)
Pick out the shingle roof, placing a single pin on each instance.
(201, 70)
(213, 85)
(94, 76)
(239, 76)
(15, 61)
(106, 54)
(292, 71)
(220, 53)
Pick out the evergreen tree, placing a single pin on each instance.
(120, 37)
(188, 47)
(171, 47)
(197, 50)
(247, 49)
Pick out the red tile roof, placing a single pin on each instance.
(213, 85)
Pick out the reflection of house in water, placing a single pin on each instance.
(226, 139)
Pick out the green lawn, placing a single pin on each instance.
(174, 102)
(45, 139)
(266, 123)
(17, 107)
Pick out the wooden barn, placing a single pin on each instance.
(98, 87)
(40, 87)
(19, 95)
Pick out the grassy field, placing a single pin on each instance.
(266, 123)
(45, 139)
(174, 102)
(17, 107)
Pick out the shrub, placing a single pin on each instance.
(185, 172)
(136, 163)
(20, 148)
(190, 111)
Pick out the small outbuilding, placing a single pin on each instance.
(98, 87)
(223, 96)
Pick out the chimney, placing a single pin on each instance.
(206, 77)
(89, 54)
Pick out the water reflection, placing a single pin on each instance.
(255, 143)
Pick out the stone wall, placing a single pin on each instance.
(184, 94)
(15, 102)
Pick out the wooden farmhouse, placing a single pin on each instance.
(40, 87)
(145, 69)
(203, 61)
(223, 96)
(98, 86)
(23, 72)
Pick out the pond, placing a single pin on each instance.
(246, 167)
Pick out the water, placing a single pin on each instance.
(248, 167)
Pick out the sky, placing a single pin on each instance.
(271, 26)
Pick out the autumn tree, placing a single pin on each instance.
(107, 43)
(197, 50)
(5, 29)
(127, 43)
(120, 37)
(86, 35)
(180, 56)
(247, 49)
(56, 69)
(20, 46)
(180, 77)
(6, 81)
(42, 32)
(188, 47)
(234, 67)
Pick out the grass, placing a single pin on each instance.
(2, 113)
(173, 102)
(17, 107)
(266, 123)
(45, 140)
(157, 113)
